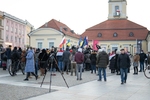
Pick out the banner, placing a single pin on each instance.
(95, 42)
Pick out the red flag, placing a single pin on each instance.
(95, 42)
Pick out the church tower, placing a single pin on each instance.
(117, 9)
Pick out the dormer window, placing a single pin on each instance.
(131, 34)
(99, 35)
(72, 31)
(115, 35)
(65, 29)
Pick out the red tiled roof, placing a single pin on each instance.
(60, 27)
(122, 27)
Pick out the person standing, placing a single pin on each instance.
(79, 59)
(8, 54)
(73, 63)
(37, 53)
(93, 59)
(102, 62)
(30, 67)
(136, 59)
(87, 60)
(66, 59)
(142, 59)
(60, 60)
(124, 64)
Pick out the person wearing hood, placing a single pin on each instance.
(66, 59)
(102, 62)
(93, 59)
(30, 64)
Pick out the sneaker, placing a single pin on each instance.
(121, 83)
(80, 78)
(124, 81)
(77, 79)
(26, 79)
(99, 80)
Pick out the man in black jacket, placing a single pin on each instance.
(124, 64)
(142, 59)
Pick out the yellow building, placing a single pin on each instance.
(51, 34)
(1, 28)
(29, 28)
(118, 32)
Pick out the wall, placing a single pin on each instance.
(14, 33)
(128, 45)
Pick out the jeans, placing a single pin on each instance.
(36, 67)
(93, 67)
(123, 72)
(141, 66)
(61, 65)
(8, 62)
(79, 68)
(100, 74)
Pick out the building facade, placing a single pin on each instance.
(1, 28)
(118, 32)
(29, 29)
(14, 31)
(51, 34)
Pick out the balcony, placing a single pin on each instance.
(117, 14)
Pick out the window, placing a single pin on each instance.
(11, 29)
(15, 39)
(22, 40)
(99, 35)
(19, 40)
(115, 34)
(6, 38)
(131, 34)
(11, 38)
(51, 44)
(39, 45)
(0, 34)
(116, 8)
(7, 28)
(0, 22)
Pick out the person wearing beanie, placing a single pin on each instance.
(79, 59)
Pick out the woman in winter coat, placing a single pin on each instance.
(30, 65)
(93, 59)
(112, 63)
(3, 59)
(43, 58)
(136, 59)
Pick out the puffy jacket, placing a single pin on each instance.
(66, 56)
(123, 61)
(79, 58)
(142, 57)
(102, 59)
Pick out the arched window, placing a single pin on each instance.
(99, 35)
(131, 34)
(115, 34)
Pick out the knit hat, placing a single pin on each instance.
(80, 50)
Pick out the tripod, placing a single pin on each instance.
(51, 60)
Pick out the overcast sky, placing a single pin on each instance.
(77, 14)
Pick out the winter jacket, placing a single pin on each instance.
(23, 56)
(93, 58)
(123, 61)
(102, 59)
(66, 56)
(30, 65)
(142, 57)
(87, 58)
(136, 58)
(15, 55)
(8, 53)
(79, 58)
(112, 63)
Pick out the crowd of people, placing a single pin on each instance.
(75, 61)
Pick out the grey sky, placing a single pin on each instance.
(77, 14)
